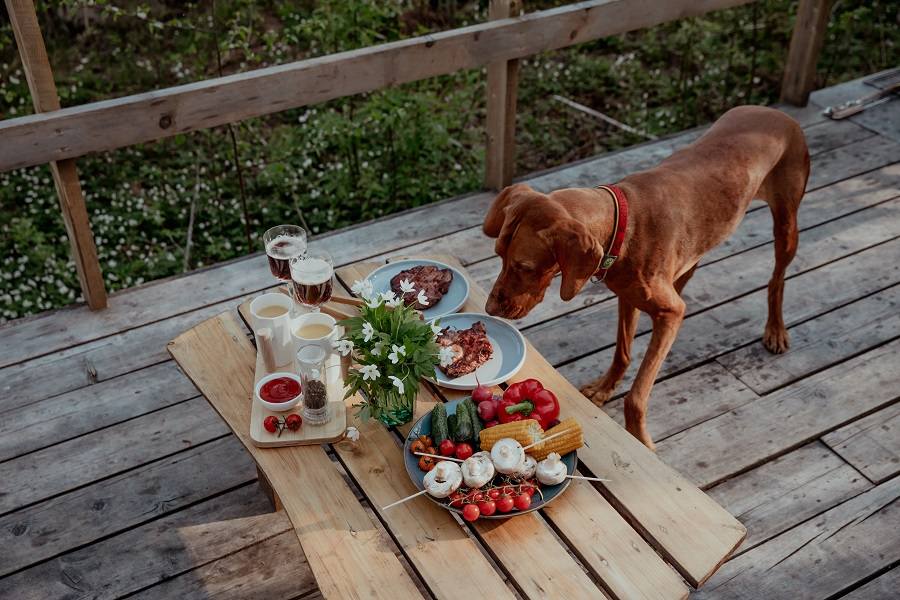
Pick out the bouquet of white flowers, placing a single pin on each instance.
(393, 349)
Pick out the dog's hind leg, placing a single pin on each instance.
(684, 278)
(600, 390)
(783, 190)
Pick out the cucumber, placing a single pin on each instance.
(463, 423)
(476, 422)
(451, 426)
(440, 431)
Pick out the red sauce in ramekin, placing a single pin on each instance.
(281, 389)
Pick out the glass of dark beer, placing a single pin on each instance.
(284, 242)
(311, 276)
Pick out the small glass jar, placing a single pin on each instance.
(311, 365)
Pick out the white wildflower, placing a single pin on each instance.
(447, 355)
(396, 353)
(406, 286)
(353, 434)
(362, 288)
(368, 331)
(345, 347)
(435, 328)
(370, 372)
(398, 383)
(422, 299)
(388, 296)
(377, 348)
(397, 301)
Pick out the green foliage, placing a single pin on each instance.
(358, 158)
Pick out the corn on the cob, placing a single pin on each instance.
(525, 432)
(572, 440)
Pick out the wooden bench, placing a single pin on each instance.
(642, 535)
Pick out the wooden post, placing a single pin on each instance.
(71, 201)
(806, 43)
(502, 86)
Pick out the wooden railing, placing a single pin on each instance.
(58, 136)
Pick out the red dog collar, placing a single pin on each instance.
(618, 235)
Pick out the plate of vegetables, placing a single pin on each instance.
(491, 472)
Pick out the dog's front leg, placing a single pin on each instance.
(600, 390)
(667, 314)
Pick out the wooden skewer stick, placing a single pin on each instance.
(586, 478)
(439, 456)
(404, 499)
(546, 439)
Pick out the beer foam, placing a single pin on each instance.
(285, 246)
(311, 271)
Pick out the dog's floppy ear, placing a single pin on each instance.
(496, 216)
(577, 253)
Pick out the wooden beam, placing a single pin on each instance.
(502, 87)
(71, 201)
(110, 124)
(806, 43)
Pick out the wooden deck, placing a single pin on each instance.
(119, 480)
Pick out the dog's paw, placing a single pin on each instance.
(776, 341)
(597, 392)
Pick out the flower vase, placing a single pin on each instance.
(391, 407)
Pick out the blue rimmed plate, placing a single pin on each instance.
(417, 475)
(452, 301)
(508, 358)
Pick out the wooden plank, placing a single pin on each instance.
(53, 527)
(275, 568)
(883, 587)
(686, 525)
(325, 513)
(49, 422)
(106, 452)
(786, 419)
(852, 159)
(871, 444)
(806, 43)
(154, 551)
(828, 135)
(110, 124)
(820, 342)
(781, 493)
(689, 399)
(502, 88)
(525, 547)
(821, 557)
(36, 65)
(745, 273)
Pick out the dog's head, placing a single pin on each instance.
(537, 239)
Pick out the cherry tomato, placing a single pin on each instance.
(505, 503)
(463, 451)
(417, 446)
(522, 502)
(457, 499)
(271, 424)
(475, 496)
(426, 463)
(471, 512)
(487, 508)
(493, 493)
(293, 422)
(527, 488)
(508, 490)
(447, 448)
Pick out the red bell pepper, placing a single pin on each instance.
(528, 400)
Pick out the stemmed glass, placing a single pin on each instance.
(311, 275)
(283, 243)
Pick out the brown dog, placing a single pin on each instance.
(678, 211)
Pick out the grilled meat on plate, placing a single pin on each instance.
(472, 348)
(434, 280)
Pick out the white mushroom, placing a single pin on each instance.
(528, 468)
(478, 469)
(552, 470)
(444, 479)
(508, 456)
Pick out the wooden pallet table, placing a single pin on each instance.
(648, 533)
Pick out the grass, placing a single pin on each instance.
(168, 207)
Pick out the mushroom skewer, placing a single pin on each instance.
(444, 479)
(508, 456)
(552, 470)
(478, 469)
(529, 466)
